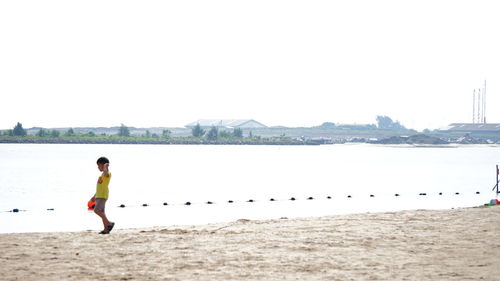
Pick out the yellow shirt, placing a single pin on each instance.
(102, 190)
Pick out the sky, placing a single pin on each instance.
(282, 63)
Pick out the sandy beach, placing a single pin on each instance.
(459, 244)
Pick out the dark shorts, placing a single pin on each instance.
(100, 204)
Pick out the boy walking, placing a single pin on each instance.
(101, 194)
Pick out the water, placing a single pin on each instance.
(37, 177)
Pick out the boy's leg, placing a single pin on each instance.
(100, 205)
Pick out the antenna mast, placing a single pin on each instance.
(484, 103)
(479, 115)
(479, 106)
(474, 106)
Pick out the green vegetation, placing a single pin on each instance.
(122, 135)
(46, 133)
(70, 133)
(124, 132)
(385, 122)
(238, 133)
(19, 131)
(213, 134)
(197, 131)
(166, 134)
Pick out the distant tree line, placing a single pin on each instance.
(383, 123)
(18, 131)
(123, 134)
(213, 134)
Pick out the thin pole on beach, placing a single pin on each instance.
(496, 185)
(497, 179)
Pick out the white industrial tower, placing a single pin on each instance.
(479, 105)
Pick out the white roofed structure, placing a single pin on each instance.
(472, 127)
(227, 123)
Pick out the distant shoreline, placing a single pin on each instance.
(327, 133)
(206, 142)
(30, 140)
(268, 136)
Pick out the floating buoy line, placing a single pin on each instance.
(310, 198)
(496, 187)
(188, 203)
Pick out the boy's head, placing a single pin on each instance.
(101, 162)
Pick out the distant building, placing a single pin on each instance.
(227, 123)
(472, 127)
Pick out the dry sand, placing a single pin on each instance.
(461, 244)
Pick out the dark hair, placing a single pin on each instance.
(102, 160)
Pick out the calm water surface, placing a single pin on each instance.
(37, 177)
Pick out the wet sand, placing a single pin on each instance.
(460, 244)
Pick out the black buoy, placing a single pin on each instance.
(423, 194)
(440, 193)
(230, 201)
(477, 192)
(293, 198)
(122, 206)
(272, 199)
(165, 203)
(15, 210)
(209, 202)
(187, 203)
(457, 193)
(310, 198)
(50, 209)
(396, 194)
(250, 201)
(349, 196)
(144, 205)
(328, 197)
(371, 195)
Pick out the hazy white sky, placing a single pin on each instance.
(292, 63)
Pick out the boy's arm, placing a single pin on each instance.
(106, 169)
(93, 198)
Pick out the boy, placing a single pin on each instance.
(101, 194)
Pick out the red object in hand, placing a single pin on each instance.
(91, 205)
